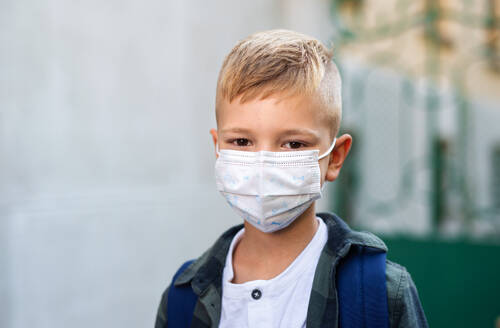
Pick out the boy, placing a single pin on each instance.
(278, 111)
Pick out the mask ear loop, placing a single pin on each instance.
(329, 150)
(322, 189)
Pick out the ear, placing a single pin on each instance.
(338, 156)
(213, 132)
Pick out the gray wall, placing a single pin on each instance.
(105, 158)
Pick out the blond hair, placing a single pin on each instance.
(281, 62)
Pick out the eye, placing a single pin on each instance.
(241, 142)
(294, 145)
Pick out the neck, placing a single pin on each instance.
(284, 243)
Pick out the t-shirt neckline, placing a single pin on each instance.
(285, 279)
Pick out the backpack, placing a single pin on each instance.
(361, 290)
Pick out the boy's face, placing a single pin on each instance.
(281, 124)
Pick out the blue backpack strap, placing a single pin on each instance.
(362, 289)
(181, 302)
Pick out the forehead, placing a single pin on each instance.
(274, 113)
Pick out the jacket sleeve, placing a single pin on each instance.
(405, 309)
(161, 316)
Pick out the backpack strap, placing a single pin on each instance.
(181, 302)
(362, 290)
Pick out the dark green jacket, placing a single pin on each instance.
(205, 277)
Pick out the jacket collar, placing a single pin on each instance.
(341, 237)
(208, 268)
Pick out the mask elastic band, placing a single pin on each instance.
(329, 149)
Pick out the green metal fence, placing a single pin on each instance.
(437, 148)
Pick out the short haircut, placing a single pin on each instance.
(281, 62)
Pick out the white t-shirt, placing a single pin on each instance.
(279, 302)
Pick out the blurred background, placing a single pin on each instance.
(106, 163)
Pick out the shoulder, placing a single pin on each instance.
(196, 273)
(397, 278)
(404, 305)
(341, 237)
(208, 262)
(405, 309)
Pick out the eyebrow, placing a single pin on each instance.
(236, 130)
(307, 132)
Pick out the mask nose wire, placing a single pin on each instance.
(329, 149)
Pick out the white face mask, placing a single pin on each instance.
(269, 189)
